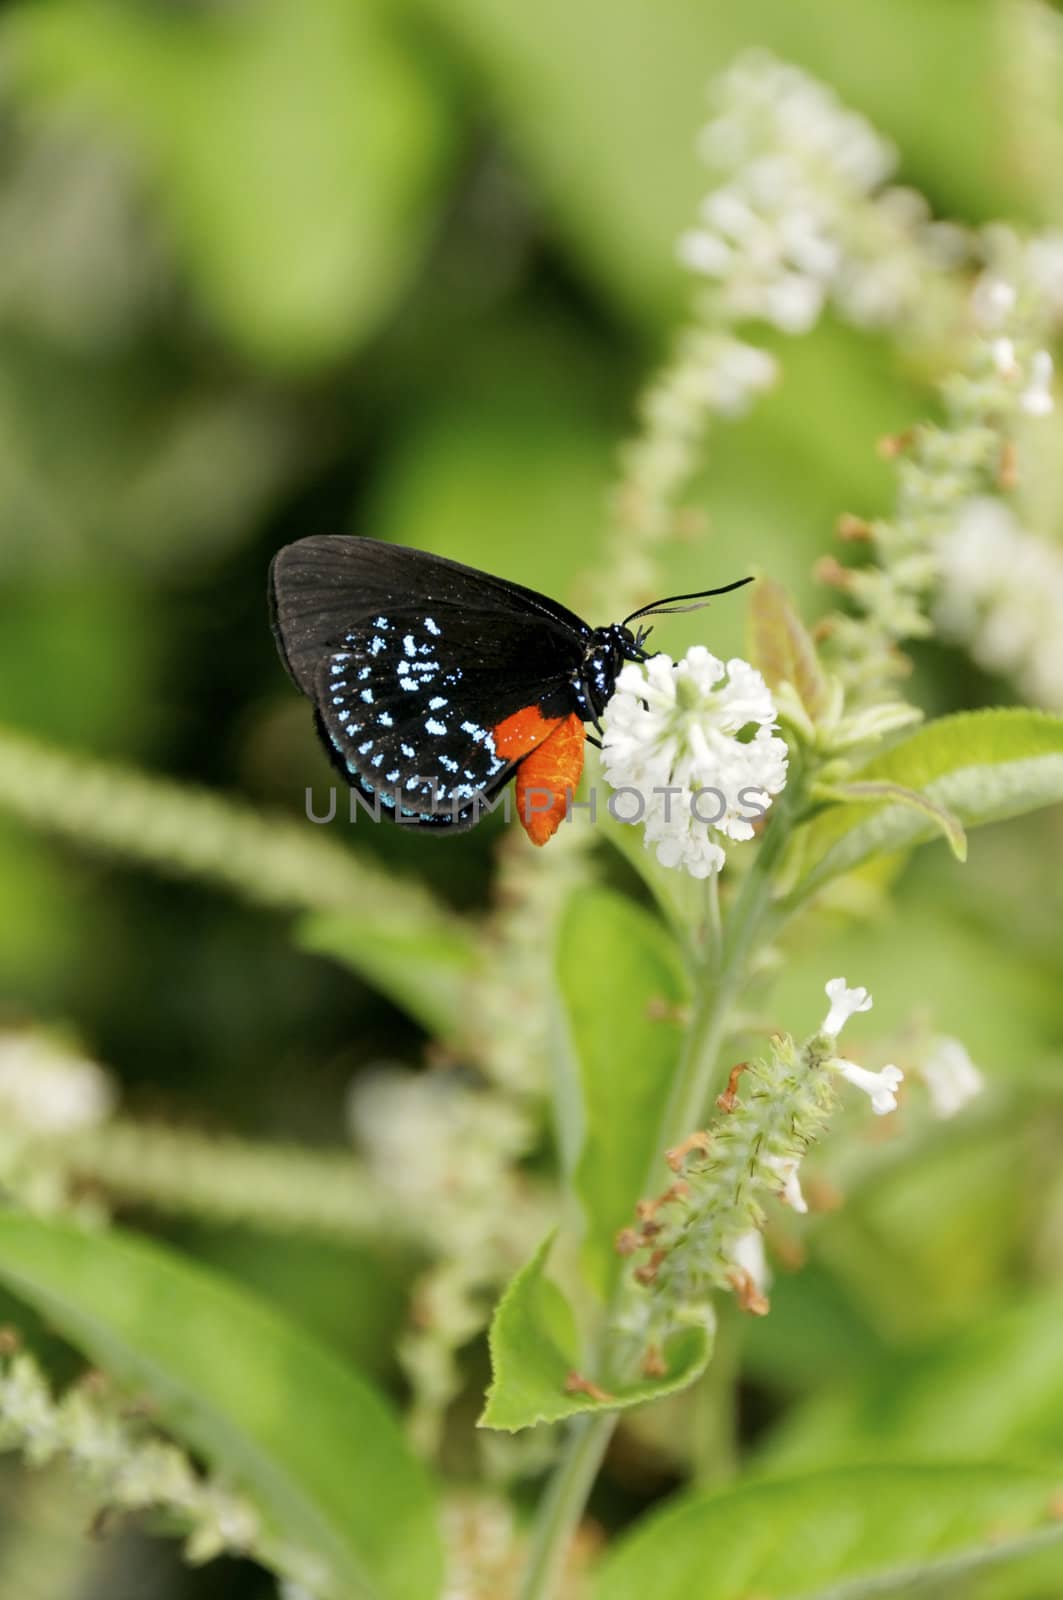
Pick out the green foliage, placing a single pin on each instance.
(537, 1376)
(268, 271)
(872, 790)
(624, 993)
(636, 183)
(425, 967)
(976, 767)
(990, 1391)
(299, 1433)
(844, 1535)
(294, 154)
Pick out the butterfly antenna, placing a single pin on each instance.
(669, 607)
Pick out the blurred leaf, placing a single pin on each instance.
(295, 1429)
(816, 1333)
(622, 182)
(139, 460)
(623, 989)
(534, 1361)
(508, 466)
(354, 1298)
(981, 765)
(971, 982)
(424, 967)
(934, 1220)
(782, 648)
(293, 150)
(843, 1535)
(993, 1389)
(80, 661)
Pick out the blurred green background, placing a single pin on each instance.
(272, 268)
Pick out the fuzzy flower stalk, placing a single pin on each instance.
(704, 1234)
(691, 744)
(952, 480)
(130, 1469)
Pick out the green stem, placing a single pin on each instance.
(563, 1504)
(693, 1081)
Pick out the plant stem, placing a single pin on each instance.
(720, 978)
(563, 1504)
(569, 1490)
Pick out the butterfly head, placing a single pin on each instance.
(609, 647)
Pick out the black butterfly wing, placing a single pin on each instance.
(412, 661)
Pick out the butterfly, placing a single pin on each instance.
(435, 684)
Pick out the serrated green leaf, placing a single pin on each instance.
(534, 1358)
(624, 993)
(838, 1535)
(425, 969)
(980, 766)
(305, 1438)
(782, 648)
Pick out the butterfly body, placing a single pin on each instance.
(435, 684)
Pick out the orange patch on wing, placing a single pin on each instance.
(520, 733)
(548, 776)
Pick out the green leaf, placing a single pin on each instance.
(624, 994)
(621, 184)
(424, 968)
(868, 793)
(294, 151)
(534, 1359)
(993, 1389)
(782, 648)
(303, 1436)
(841, 1534)
(978, 766)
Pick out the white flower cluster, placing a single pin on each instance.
(800, 215)
(693, 740)
(46, 1089)
(130, 1469)
(1001, 596)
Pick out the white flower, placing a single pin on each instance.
(881, 1087)
(1003, 353)
(1036, 398)
(693, 739)
(844, 1003)
(789, 1182)
(747, 1253)
(992, 301)
(49, 1090)
(951, 1077)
